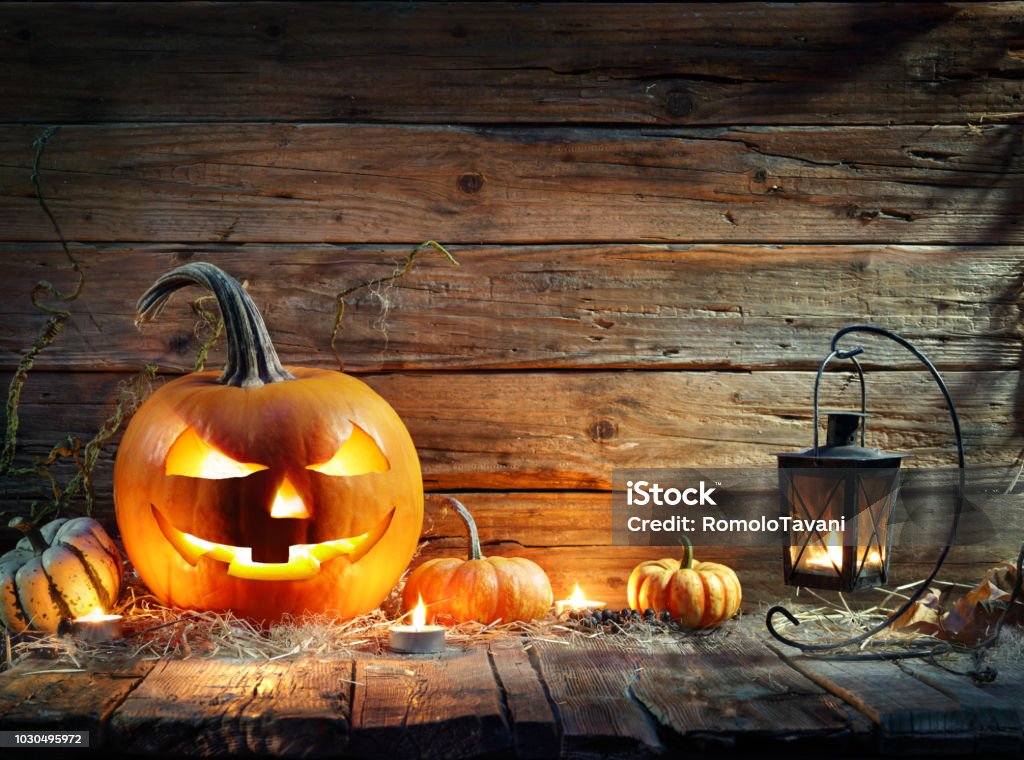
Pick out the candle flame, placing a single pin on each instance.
(419, 614)
(96, 615)
(831, 556)
(576, 601)
(578, 598)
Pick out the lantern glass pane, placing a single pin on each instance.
(815, 495)
(877, 490)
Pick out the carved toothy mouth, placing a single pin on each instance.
(304, 560)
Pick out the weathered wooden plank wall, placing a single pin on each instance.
(662, 213)
(435, 63)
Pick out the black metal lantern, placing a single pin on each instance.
(839, 499)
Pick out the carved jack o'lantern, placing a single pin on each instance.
(265, 490)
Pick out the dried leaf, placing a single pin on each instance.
(973, 616)
(923, 616)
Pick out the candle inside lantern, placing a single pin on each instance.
(830, 556)
(97, 626)
(827, 557)
(577, 601)
(418, 638)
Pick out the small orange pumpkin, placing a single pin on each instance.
(697, 594)
(484, 589)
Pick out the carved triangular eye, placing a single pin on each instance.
(358, 455)
(193, 457)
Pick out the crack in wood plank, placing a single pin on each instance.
(445, 706)
(80, 701)
(531, 713)
(590, 689)
(296, 708)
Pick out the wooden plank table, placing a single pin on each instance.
(558, 696)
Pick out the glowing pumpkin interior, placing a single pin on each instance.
(191, 456)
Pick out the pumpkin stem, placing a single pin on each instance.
(33, 534)
(686, 563)
(252, 359)
(474, 536)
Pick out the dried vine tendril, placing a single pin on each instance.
(83, 455)
(50, 330)
(210, 321)
(130, 395)
(399, 272)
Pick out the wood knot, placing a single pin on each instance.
(678, 104)
(471, 183)
(603, 430)
(273, 31)
(180, 343)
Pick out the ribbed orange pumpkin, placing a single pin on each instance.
(697, 594)
(269, 489)
(484, 589)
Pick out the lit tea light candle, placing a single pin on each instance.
(578, 601)
(97, 627)
(828, 557)
(418, 638)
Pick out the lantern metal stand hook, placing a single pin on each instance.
(836, 352)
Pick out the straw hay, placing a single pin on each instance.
(154, 631)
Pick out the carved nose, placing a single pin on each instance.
(288, 503)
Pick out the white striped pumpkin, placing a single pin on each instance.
(68, 568)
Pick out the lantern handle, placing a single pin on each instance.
(958, 503)
(852, 356)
